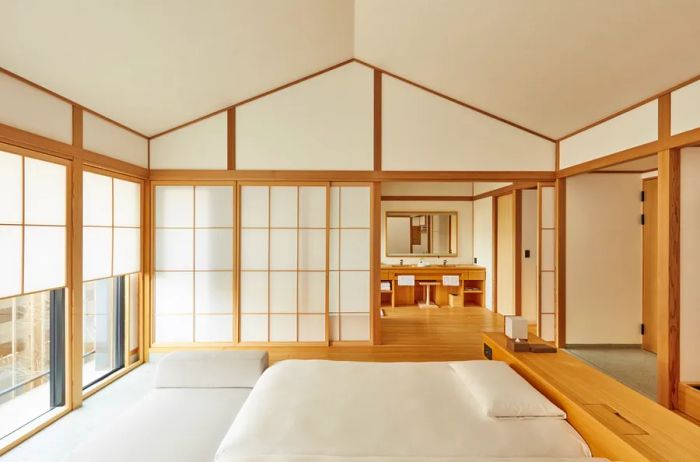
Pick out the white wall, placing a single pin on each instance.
(422, 131)
(104, 137)
(528, 266)
(480, 188)
(505, 266)
(633, 128)
(427, 188)
(324, 123)
(483, 242)
(603, 259)
(464, 228)
(690, 265)
(202, 145)
(684, 108)
(28, 108)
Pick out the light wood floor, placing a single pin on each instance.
(412, 334)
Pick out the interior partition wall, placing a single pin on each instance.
(33, 276)
(546, 242)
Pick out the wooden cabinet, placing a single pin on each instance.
(471, 285)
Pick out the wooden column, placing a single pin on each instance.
(517, 250)
(377, 120)
(376, 262)
(74, 393)
(231, 138)
(667, 359)
(560, 261)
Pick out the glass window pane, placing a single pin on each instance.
(10, 188)
(127, 251)
(99, 330)
(11, 266)
(44, 257)
(44, 192)
(174, 206)
(97, 200)
(214, 206)
(97, 253)
(127, 203)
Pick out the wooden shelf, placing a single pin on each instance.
(466, 291)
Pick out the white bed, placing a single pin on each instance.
(327, 410)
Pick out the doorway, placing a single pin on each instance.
(649, 263)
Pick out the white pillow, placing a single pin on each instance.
(211, 369)
(502, 393)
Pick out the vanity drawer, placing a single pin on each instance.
(476, 276)
(384, 275)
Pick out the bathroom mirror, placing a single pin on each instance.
(418, 234)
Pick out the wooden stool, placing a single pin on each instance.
(427, 285)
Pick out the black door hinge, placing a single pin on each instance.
(641, 328)
(642, 196)
(642, 220)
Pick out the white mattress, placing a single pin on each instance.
(326, 410)
(167, 425)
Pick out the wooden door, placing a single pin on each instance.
(650, 273)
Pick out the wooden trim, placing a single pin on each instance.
(454, 100)
(517, 249)
(428, 198)
(556, 156)
(668, 354)
(560, 262)
(664, 117)
(75, 286)
(253, 98)
(113, 165)
(689, 400)
(71, 102)
(377, 120)
(230, 139)
(363, 176)
(77, 126)
(506, 190)
(146, 271)
(14, 442)
(610, 160)
(113, 377)
(494, 244)
(376, 262)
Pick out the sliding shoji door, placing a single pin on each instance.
(545, 268)
(283, 263)
(350, 292)
(194, 264)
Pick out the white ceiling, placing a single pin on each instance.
(550, 65)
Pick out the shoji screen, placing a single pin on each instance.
(283, 263)
(546, 256)
(194, 262)
(111, 226)
(349, 284)
(32, 224)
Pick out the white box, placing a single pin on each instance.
(516, 327)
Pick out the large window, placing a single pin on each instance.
(111, 270)
(32, 296)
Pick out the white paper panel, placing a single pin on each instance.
(335, 207)
(354, 249)
(214, 206)
(334, 291)
(127, 251)
(547, 327)
(312, 249)
(10, 188)
(354, 291)
(44, 193)
(174, 249)
(334, 328)
(312, 328)
(283, 328)
(174, 206)
(312, 207)
(283, 206)
(684, 108)
(312, 292)
(11, 267)
(173, 328)
(283, 249)
(548, 207)
(213, 328)
(547, 249)
(253, 291)
(213, 292)
(354, 327)
(213, 249)
(547, 292)
(354, 207)
(254, 249)
(173, 292)
(334, 249)
(105, 137)
(97, 253)
(44, 258)
(97, 200)
(127, 203)
(254, 328)
(254, 206)
(283, 292)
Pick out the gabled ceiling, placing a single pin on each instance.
(552, 66)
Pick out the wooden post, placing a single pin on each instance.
(560, 262)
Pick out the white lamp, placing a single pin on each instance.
(516, 327)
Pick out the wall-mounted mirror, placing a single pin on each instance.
(417, 234)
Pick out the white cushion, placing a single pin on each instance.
(502, 393)
(211, 369)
